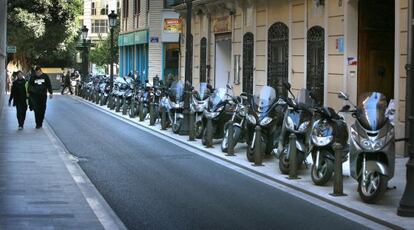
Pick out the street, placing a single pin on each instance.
(153, 184)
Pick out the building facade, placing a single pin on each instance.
(95, 17)
(148, 41)
(323, 45)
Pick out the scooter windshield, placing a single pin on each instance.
(303, 97)
(218, 96)
(203, 91)
(265, 99)
(177, 90)
(372, 107)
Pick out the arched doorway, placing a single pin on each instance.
(203, 60)
(376, 22)
(278, 56)
(315, 62)
(248, 59)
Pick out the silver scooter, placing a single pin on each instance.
(372, 147)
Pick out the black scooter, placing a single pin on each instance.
(267, 112)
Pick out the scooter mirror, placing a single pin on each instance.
(345, 108)
(229, 86)
(343, 96)
(287, 85)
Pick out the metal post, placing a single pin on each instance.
(191, 127)
(184, 129)
(406, 207)
(112, 59)
(293, 158)
(230, 140)
(152, 114)
(85, 60)
(258, 147)
(338, 189)
(163, 119)
(209, 133)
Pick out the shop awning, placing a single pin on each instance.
(133, 38)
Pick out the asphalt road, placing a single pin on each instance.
(153, 184)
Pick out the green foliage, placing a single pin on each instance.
(101, 55)
(44, 31)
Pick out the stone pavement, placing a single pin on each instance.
(41, 187)
(383, 213)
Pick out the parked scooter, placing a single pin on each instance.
(298, 121)
(267, 112)
(123, 87)
(372, 148)
(199, 102)
(329, 128)
(173, 106)
(127, 97)
(217, 111)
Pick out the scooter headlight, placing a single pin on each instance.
(242, 112)
(251, 119)
(321, 141)
(266, 121)
(304, 126)
(290, 125)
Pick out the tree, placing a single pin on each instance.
(44, 31)
(101, 55)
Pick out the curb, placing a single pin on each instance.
(104, 213)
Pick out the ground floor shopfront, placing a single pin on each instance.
(146, 56)
(326, 46)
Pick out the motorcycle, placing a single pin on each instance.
(238, 121)
(267, 112)
(155, 97)
(127, 97)
(329, 128)
(123, 87)
(199, 102)
(218, 112)
(297, 121)
(105, 91)
(372, 147)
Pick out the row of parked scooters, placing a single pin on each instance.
(316, 129)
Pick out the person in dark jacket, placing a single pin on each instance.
(38, 86)
(19, 96)
(66, 83)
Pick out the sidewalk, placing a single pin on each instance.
(383, 213)
(41, 187)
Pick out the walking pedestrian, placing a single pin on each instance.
(19, 96)
(38, 86)
(66, 83)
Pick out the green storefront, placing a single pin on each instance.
(133, 53)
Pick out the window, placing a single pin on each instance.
(105, 11)
(93, 8)
(169, 3)
(99, 26)
(137, 7)
(125, 8)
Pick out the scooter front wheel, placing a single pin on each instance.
(199, 129)
(284, 162)
(236, 137)
(372, 190)
(324, 172)
(176, 126)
